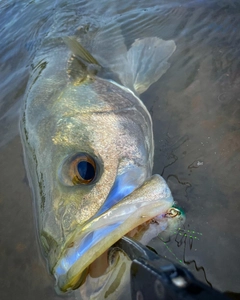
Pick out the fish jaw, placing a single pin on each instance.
(87, 243)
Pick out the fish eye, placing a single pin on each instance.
(78, 169)
(83, 169)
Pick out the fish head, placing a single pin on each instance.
(88, 158)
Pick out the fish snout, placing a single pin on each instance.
(153, 198)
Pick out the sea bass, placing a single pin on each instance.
(88, 146)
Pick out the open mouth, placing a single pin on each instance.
(146, 204)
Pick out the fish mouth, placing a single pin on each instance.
(151, 199)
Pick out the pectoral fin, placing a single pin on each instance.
(147, 62)
(81, 63)
(79, 51)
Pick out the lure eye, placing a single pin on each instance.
(82, 169)
(173, 212)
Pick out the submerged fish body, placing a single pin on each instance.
(88, 145)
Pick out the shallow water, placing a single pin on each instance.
(195, 108)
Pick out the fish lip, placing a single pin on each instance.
(95, 237)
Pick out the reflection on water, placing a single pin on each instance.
(195, 108)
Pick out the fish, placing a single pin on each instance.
(88, 149)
